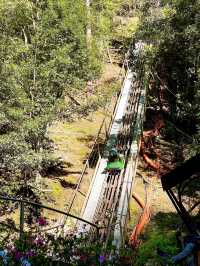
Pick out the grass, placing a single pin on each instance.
(147, 253)
(69, 139)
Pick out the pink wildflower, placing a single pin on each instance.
(11, 248)
(39, 241)
(42, 221)
(30, 253)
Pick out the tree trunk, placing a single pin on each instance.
(88, 28)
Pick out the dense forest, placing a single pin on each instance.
(50, 50)
(171, 30)
(45, 56)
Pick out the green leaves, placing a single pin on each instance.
(44, 56)
(173, 29)
(43, 52)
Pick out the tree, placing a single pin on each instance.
(171, 33)
(43, 54)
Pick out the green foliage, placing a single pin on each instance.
(106, 23)
(171, 33)
(169, 30)
(46, 249)
(156, 239)
(43, 54)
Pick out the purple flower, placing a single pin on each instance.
(102, 258)
(42, 221)
(30, 253)
(18, 255)
(39, 241)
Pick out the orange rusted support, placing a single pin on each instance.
(143, 221)
(153, 164)
(138, 200)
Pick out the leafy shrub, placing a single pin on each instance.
(156, 239)
(46, 249)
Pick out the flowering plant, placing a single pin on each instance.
(47, 249)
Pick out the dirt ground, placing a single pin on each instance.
(160, 202)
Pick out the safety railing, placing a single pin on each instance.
(24, 203)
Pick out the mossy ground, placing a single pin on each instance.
(73, 143)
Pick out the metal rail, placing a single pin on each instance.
(122, 212)
(22, 209)
(107, 207)
(113, 201)
(109, 189)
(99, 177)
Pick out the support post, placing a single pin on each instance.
(21, 227)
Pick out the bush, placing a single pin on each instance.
(156, 239)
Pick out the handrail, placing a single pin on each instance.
(5, 198)
(86, 165)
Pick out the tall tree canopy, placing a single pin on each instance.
(170, 29)
(43, 54)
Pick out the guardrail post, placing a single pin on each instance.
(98, 233)
(121, 233)
(21, 227)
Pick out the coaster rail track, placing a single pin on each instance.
(113, 194)
(113, 204)
(90, 159)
